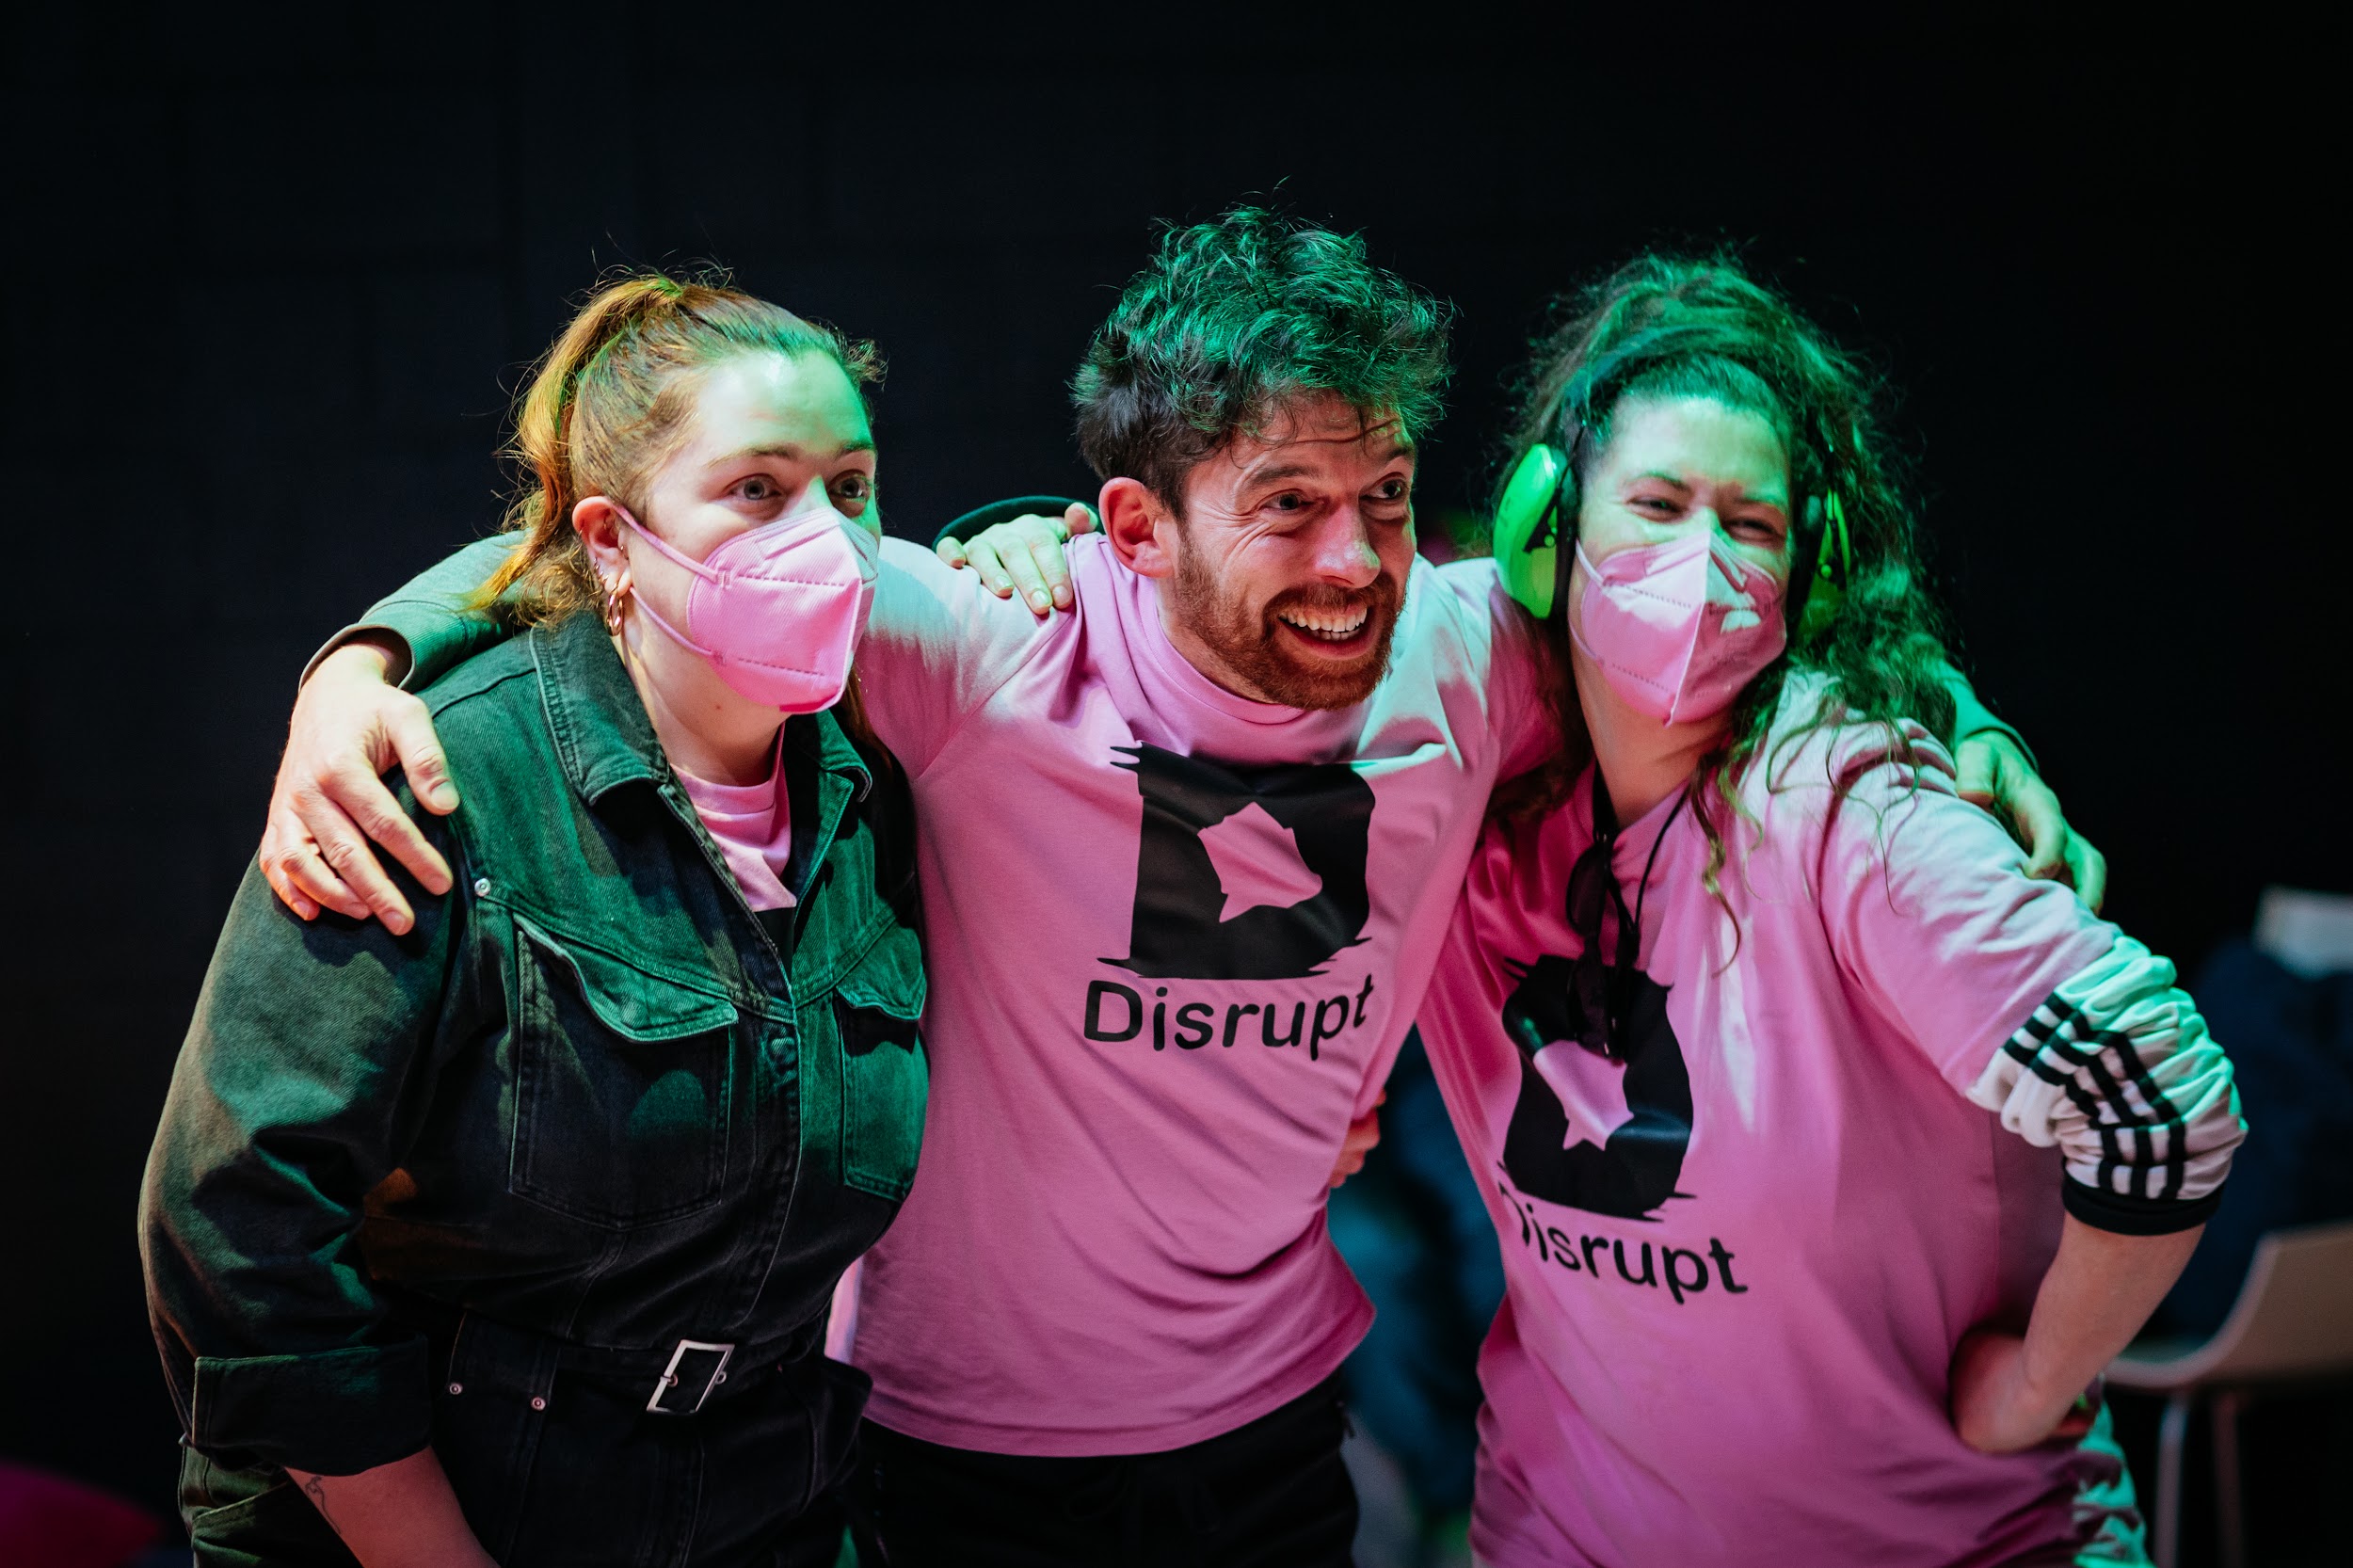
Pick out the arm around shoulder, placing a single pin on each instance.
(426, 627)
(937, 646)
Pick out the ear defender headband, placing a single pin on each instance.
(1539, 503)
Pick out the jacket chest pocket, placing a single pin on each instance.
(884, 1074)
(624, 1087)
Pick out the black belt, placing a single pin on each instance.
(680, 1376)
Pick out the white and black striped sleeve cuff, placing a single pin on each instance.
(2116, 1067)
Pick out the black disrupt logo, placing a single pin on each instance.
(1635, 1168)
(1179, 927)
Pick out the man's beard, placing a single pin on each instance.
(1251, 647)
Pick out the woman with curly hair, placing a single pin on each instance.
(1834, 1156)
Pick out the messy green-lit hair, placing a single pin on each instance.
(1234, 320)
(1722, 335)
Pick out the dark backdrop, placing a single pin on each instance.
(270, 282)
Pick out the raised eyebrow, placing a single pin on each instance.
(1281, 471)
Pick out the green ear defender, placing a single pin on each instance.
(1816, 586)
(1527, 532)
(1543, 490)
(1537, 511)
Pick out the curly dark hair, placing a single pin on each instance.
(1234, 319)
(1670, 327)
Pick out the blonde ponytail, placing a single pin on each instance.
(607, 405)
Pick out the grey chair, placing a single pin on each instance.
(2292, 1323)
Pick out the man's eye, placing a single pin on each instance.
(1288, 502)
(854, 487)
(1390, 489)
(757, 489)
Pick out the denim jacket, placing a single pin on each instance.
(588, 1095)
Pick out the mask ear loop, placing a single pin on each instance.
(663, 547)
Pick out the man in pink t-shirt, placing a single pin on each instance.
(1187, 855)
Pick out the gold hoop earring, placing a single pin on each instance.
(616, 598)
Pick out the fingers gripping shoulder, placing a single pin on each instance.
(471, 715)
(2117, 1068)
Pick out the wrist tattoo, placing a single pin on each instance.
(316, 1488)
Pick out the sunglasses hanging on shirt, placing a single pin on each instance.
(1603, 979)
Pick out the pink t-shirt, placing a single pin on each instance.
(1175, 938)
(752, 824)
(1738, 1267)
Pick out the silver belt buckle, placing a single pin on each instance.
(669, 1378)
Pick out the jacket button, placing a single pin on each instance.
(481, 887)
(538, 1404)
(457, 1387)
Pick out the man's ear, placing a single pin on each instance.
(598, 521)
(1139, 527)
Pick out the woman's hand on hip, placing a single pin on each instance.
(2012, 1391)
(1997, 1409)
(329, 801)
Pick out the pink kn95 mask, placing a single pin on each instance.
(1678, 628)
(778, 610)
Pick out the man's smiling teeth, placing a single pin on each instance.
(1331, 625)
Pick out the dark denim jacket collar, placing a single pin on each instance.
(605, 739)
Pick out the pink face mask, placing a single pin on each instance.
(1680, 627)
(777, 611)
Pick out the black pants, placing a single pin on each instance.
(587, 1479)
(1270, 1494)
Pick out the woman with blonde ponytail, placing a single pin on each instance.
(508, 1235)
